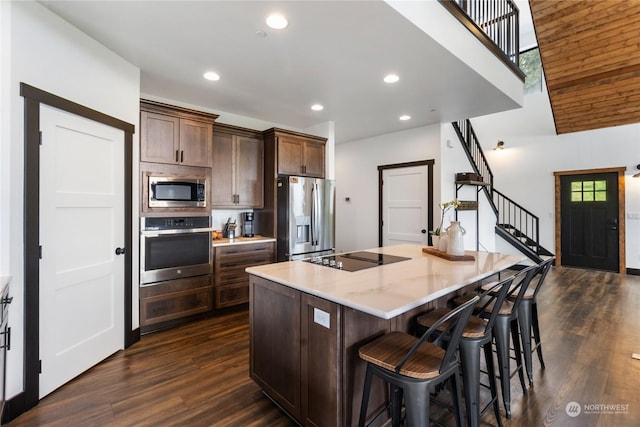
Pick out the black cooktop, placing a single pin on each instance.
(355, 261)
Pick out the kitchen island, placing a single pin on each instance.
(307, 322)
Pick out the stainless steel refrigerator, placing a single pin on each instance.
(306, 217)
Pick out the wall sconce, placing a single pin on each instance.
(638, 174)
(499, 146)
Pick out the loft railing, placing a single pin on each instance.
(474, 153)
(522, 224)
(497, 19)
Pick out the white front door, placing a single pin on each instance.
(81, 225)
(405, 212)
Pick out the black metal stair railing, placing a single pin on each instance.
(514, 222)
(476, 157)
(518, 221)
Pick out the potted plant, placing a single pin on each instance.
(444, 208)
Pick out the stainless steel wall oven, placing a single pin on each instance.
(174, 248)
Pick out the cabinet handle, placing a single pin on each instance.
(177, 158)
(304, 169)
(182, 156)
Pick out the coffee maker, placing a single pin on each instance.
(247, 224)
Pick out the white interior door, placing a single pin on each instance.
(405, 212)
(81, 225)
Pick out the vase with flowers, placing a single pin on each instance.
(437, 236)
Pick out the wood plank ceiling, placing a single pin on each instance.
(590, 51)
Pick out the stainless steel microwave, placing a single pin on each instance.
(177, 192)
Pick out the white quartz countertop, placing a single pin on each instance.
(389, 290)
(241, 241)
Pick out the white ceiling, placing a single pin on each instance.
(334, 53)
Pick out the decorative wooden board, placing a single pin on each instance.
(442, 254)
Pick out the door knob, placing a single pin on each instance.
(119, 251)
(423, 231)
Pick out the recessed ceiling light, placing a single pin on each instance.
(211, 75)
(391, 78)
(405, 117)
(277, 21)
(317, 107)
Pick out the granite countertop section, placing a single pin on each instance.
(389, 290)
(241, 241)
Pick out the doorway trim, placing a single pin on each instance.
(33, 97)
(429, 163)
(621, 212)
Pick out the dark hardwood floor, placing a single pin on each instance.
(198, 374)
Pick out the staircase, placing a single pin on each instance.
(515, 224)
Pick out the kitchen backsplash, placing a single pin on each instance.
(219, 218)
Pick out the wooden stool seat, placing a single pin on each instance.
(475, 327)
(412, 366)
(528, 294)
(506, 308)
(388, 350)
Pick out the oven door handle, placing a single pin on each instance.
(156, 233)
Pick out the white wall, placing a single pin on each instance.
(5, 133)
(357, 178)
(524, 169)
(48, 53)
(454, 160)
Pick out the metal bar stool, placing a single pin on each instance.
(507, 321)
(411, 366)
(528, 318)
(476, 336)
(506, 331)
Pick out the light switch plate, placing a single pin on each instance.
(322, 318)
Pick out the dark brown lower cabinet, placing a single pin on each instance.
(231, 281)
(304, 353)
(320, 376)
(174, 299)
(297, 365)
(275, 342)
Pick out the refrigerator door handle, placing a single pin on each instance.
(315, 202)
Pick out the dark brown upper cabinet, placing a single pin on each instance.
(296, 153)
(175, 135)
(238, 163)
